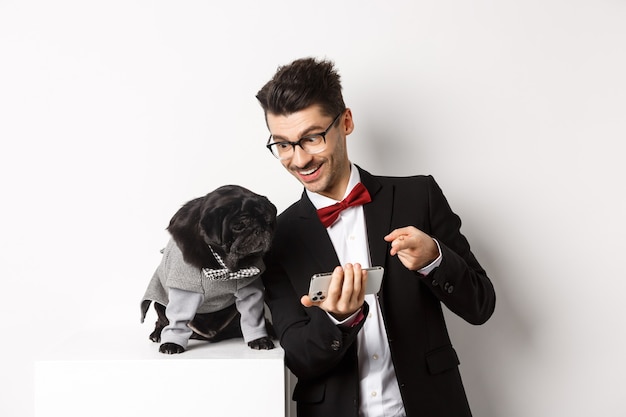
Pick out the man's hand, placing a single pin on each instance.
(346, 293)
(414, 248)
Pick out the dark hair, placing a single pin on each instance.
(301, 84)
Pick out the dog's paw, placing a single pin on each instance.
(155, 336)
(171, 348)
(264, 343)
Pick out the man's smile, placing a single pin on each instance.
(309, 174)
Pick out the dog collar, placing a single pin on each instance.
(224, 274)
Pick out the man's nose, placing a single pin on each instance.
(300, 158)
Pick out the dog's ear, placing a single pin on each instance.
(217, 210)
(185, 230)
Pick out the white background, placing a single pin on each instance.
(113, 114)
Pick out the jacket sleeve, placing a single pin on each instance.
(313, 344)
(459, 282)
(249, 301)
(180, 311)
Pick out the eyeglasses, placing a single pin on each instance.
(311, 144)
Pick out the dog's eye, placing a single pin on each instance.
(238, 226)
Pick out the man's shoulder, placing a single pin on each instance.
(367, 176)
(412, 181)
(295, 207)
(405, 179)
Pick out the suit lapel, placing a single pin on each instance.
(314, 236)
(377, 217)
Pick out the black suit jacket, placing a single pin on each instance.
(323, 356)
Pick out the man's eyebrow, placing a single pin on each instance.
(308, 131)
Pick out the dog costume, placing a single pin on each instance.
(207, 284)
(201, 290)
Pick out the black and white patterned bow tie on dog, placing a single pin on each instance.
(224, 274)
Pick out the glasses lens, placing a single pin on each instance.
(313, 144)
(281, 150)
(310, 144)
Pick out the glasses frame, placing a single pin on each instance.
(299, 142)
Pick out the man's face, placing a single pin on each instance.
(328, 172)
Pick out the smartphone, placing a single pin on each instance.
(318, 288)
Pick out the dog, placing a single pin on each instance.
(207, 285)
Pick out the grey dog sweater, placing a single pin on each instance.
(185, 290)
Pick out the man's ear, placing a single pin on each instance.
(347, 122)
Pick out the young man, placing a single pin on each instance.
(387, 354)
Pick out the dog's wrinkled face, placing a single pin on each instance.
(238, 224)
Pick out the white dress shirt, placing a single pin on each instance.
(379, 391)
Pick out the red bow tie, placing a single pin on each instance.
(358, 196)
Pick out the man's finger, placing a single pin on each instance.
(306, 301)
(398, 244)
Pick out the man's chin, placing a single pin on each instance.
(313, 187)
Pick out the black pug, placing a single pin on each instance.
(207, 285)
